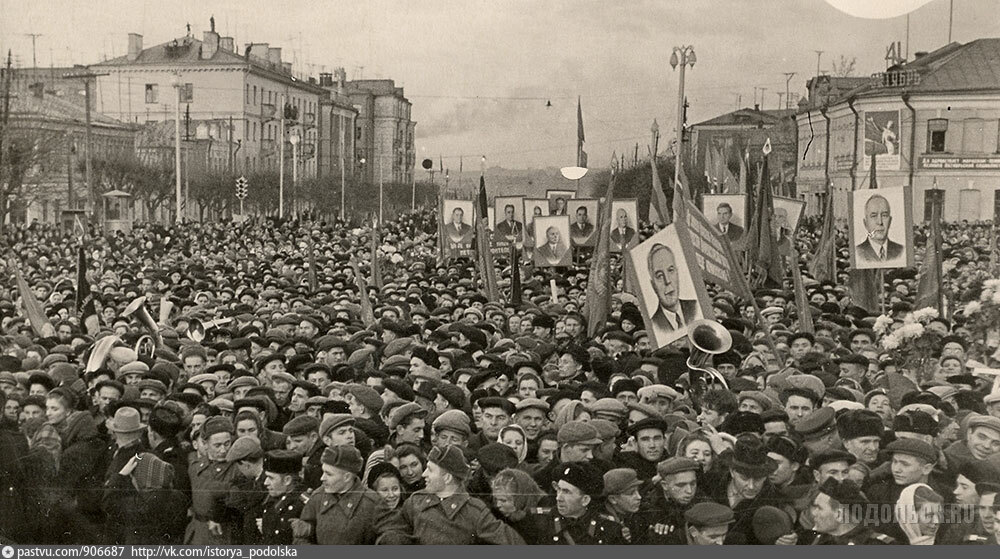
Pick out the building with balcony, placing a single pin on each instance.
(932, 123)
(383, 138)
(241, 93)
(336, 149)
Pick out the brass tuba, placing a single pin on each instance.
(707, 338)
(141, 312)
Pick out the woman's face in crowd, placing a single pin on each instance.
(513, 439)
(55, 411)
(389, 488)
(700, 452)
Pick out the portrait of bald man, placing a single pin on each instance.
(668, 313)
(877, 248)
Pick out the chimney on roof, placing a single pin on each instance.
(134, 46)
(258, 50)
(756, 106)
(919, 54)
(210, 45)
(286, 67)
(326, 79)
(341, 80)
(274, 55)
(227, 44)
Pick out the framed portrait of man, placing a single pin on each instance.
(552, 240)
(457, 227)
(671, 292)
(784, 221)
(624, 224)
(559, 201)
(728, 214)
(881, 228)
(583, 214)
(533, 209)
(509, 212)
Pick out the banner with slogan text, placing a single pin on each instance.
(710, 251)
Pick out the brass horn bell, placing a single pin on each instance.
(708, 338)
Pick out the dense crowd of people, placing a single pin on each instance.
(274, 409)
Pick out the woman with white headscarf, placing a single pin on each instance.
(918, 512)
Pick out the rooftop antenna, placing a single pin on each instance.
(788, 97)
(34, 36)
(819, 55)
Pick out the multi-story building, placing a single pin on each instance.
(242, 94)
(932, 123)
(335, 152)
(56, 179)
(384, 131)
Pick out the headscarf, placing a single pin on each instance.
(44, 437)
(151, 473)
(523, 453)
(523, 490)
(908, 514)
(568, 413)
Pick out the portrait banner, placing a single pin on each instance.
(672, 294)
(624, 225)
(785, 220)
(710, 252)
(559, 201)
(881, 228)
(552, 234)
(509, 227)
(534, 208)
(728, 215)
(881, 139)
(583, 213)
(456, 228)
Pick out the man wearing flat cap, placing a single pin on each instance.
(912, 461)
(661, 515)
(342, 511)
(708, 523)
(286, 496)
(443, 513)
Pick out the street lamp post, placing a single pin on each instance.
(281, 161)
(683, 55)
(294, 139)
(177, 147)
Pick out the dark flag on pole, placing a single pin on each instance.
(33, 308)
(597, 304)
(86, 309)
(824, 264)
(929, 292)
(581, 156)
(313, 282)
(516, 292)
(764, 263)
(864, 284)
(367, 314)
(484, 256)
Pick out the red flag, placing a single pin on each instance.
(85, 306)
(764, 263)
(801, 301)
(864, 284)
(484, 257)
(824, 263)
(33, 309)
(597, 304)
(929, 292)
(516, 292)
(367, 314)
(658, 200)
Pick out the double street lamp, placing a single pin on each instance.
(683, 56)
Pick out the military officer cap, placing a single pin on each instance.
(344, 457)
(451, 460)
(584, 476)
(817, 424)
(301, 425)
(709, 514)
(244, 448)
(914, 447)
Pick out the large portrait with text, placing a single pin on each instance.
(509, 216)
(552, 241)
(457, 227)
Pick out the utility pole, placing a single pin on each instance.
(788, 80)
(819, 55)
(343, 162)
(762, 90)
(780, 97)
(86, 75)
(34, 58)
(281, 161)
(951, 18)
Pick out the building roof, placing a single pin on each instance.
(186, 50)
(748, 117)
(49, 107)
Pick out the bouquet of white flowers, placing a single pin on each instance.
(910, 342)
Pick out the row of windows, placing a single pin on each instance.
(972, 135)
(269, 97)
(153, 93)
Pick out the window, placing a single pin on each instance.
(357, 133)
(254, 137)
(937, 128)
(152, 93)
(255, 95)
(187, 93)
(974, 135)
(247, 95)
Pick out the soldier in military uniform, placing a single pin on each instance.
(444, 513)
(838, 512)
(286, 496)
(576, 519)
(211, 480)
(342, 511)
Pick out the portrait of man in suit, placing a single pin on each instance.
(668, 313)
(877, 247)
(724, 212)
(553, 252)
(558, 206)
(622, 235)
(582, 229)
(510, 229)
(457, 230)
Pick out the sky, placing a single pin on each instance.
(481, 73)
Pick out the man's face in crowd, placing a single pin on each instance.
(865, 449)
(218, 445)
(860, 342)
(800, 347)
(194, 365)
(835, 470)
(984, 442)
(531, 420)
(748, 487)
(680, 487)
(825, 514)
(650, 444)
(797, 407)
(410, 468)
(570, 501)
(907, 469)
(494, 419)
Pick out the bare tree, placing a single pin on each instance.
(844, 67)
